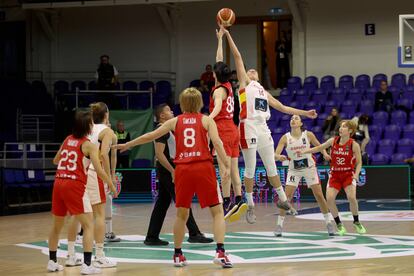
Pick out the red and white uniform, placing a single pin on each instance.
(194, 171)
(96, 188)
(227, 130)
(300, 166)
(342, 165)
(69, 189)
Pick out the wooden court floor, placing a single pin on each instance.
(132, 219)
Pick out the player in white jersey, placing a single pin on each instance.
(98, 191)
(301, 167)
(255, 135)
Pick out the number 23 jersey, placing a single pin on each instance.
(191, 139)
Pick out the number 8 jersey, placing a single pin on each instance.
(73, 164)
(191, 139)
(227, 107)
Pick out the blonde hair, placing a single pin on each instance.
(191, 100)
(351, 125)
(99, 111)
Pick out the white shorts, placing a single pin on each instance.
(96, 188)
(255, 136)
(295, 176)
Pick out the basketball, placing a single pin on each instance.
(226, 17)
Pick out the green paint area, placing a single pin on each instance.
(393, 246)
(284, 253)
(393, 251)
(359, 240)
(327, 256)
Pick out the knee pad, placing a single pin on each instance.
(249, 172)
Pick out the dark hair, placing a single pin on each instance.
(99, 110)
(222, 71)
(363, 119)
(158, 110)
(83, 123)
(104, 56)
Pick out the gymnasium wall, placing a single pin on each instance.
(335, 36)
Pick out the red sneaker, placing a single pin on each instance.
(222, 259)
(179, 260)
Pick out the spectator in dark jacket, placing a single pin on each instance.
(383, 98)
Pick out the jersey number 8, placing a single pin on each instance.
(189, 137)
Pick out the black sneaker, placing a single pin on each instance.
(229, 208)
(111, 237)
(199, 238)
(155, 242)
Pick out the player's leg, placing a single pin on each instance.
(72, 233)
(58, 222)
(179, 231)
(219, 229)
(323, 206)
(100, 258)
(86, 220)
(228, 206)
(350, 191)
(109, 233)
(290, 191)
(331, 194)
(236, 183)
(249, 156)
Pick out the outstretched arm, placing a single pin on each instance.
(290, 110)
(319, 148)
(315, 142)
(219, 54)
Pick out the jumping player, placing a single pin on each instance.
(221, 110)
(69, 190)
(194, 171)
(255, 135)
(301, 167)
(345, 168)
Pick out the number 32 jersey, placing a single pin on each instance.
(191, 139)
(73, 164)
(342, 156)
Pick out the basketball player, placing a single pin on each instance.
(255, 135)
(221, 110)
(194, 171)
(165, 153)
(69, 190)
(345, 168)
(103, 137)
(301, 167)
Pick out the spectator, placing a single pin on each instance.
(123, 137)
(106, 75)
(383, 98)
(362, 135)
(331, 125)
(282, 49)
(207, 80)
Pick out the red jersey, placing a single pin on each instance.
(227, 107)
(191, 139)
(342, 156)
(73, 164)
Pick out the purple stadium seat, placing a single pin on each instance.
(370, 94)
(405, 145)
(379, 159)
(317, 130)
(363, 82)
(195, 83)
(313, 105)
(294, 84)
(408, 131)
(346, 116)
(349, 107)
(375, 132)
(321, 119)
(411, 117)
(278, 133)
(338, 95)
(399, 117)
(411, 80)
(395, 91)
(308, 123)
(129, 85)
(399, 80)
(386, 146)
(272, 124)
(146, 85)
(392, 132)
(320, 96)
(285, 121)
(302, 96)
(328, 83)
(380, 118)
(298, 104)
(355, 94)
(346, 82)
(367, 107)
(310, 84)
(377, 79)
(408, 93)
(371, 147)
(79, 84)
(405, 104)
(398, 158)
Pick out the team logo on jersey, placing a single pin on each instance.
(253, 141)
(304, 141)
(292, 178)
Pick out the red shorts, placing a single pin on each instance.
(229, 135)
(196, 178)
(340, 180)
(70, 196)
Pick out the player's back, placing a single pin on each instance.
(227, 107)
(191, 139)
(73, 164)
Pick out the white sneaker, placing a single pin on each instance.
(73, 261)
(278, 231)
(79, 239)
(53, 266)
(103, 262)
(90, 269)
(250, 216)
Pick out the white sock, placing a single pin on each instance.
(249, 197)
(280, 220)
(99, 250)
(71, 248)
(281, 193)
(108, 225)
(326, 217)
(108, 212)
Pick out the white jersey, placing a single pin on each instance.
(294, 145)
(254, 104)
(94, 136)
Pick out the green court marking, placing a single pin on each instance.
(280, 253)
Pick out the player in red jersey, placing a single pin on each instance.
(221, 110)
(194, 171)
(69, 190)
(345, 168)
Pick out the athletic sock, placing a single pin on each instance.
(87, 258)
(280, 220)
(326, 217)
(178, 251)
(99, 250)
(52, 256)
(71, 248)
(220, 247)
(337, 220)
(281, 193)
(249, 197)
(238, 199)
(356, 219)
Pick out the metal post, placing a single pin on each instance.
(150, 98)
(77, 94)
(37, 130)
